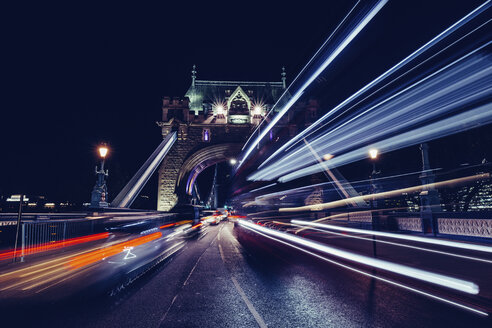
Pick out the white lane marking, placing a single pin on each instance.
(221, 253)
(250, 306)
(167, 311)
(193, 269)
(185, 283)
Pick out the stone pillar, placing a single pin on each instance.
(165, 108)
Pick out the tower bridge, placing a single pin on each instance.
(213, 121)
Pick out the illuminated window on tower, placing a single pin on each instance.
(206, 135)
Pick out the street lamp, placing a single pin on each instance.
(99, 195)
(220, 110)
(373, 154)
(327, 157)
(103, 151)
(233, 161)
(257, 110)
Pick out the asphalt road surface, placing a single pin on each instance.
(228, 278)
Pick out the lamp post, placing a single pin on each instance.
(429, 197)
(99, 196)
(373, 155)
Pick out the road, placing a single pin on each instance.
(229, 278)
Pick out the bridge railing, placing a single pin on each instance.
(39, 236)
(466, 224)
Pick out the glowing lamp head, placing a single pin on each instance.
(220, 109)
(327, 157)
(103, 151)
(373, 153)
(233, 161)
(257, 110)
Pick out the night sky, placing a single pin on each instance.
(75, 75)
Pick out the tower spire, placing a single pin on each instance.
(193, 76)
(283, 77)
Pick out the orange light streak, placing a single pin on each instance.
(52, 245)
(388, 194)
(196, 225)
(167, 225)
(95, 256)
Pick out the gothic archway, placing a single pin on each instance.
(201, 160)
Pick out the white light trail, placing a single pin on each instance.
(448, 243)
(452, 125)
(430, 277)
(306, 190)
(264, 187)
(429, 250)
(462, 306)
(451, 88)
(383, 76)
(320, 69)
(287, 91)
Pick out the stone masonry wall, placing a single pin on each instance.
(190, 141)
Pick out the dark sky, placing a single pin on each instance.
(75, 75)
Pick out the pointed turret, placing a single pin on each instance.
(283, 77)
(193, 76)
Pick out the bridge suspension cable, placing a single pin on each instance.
(129, 193)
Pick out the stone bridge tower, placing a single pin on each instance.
(213, 121)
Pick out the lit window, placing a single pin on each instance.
(206, 135)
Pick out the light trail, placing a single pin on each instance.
(57, 273)
(93, 257)
(311, 60)
(328, 171)
(46, 268)
(436, 94)
(397, 119)
(473, 247)
(305, 190)
(308, 189)
(448, 301)
(430, 277)
(458, 123)
(450, 30)
(367, 18)
(52, 245)
(395, 244)
(388, 194)
(264, 187)
(48, 273)
(45, 265)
